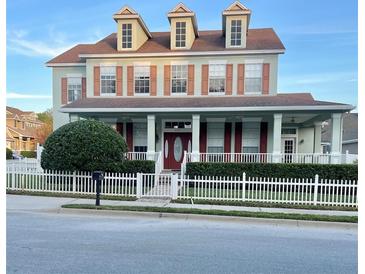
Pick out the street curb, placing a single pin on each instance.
(234, 219)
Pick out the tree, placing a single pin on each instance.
(46, 129)
(9, 154)
(83, 145)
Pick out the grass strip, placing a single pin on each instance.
(261, 204)
(70, 195)
(232, 213)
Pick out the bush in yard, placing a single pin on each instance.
(29, 154)
(9, 154)
(130, 166)
(83, 145)
(345, 172)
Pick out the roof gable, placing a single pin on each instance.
(237, 5)
(126, 11)
(180, 8)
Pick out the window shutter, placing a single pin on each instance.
(83, 87)
(64, 90)
(130, 77)
(129, 136)
(119, 82)
(96, 81)
(190, 79)
(263, 137)
(241, 79)
(203, 137)
(205, 76)
(153, 80)
(238, 138)
(167, 76)
(265, 78)
(227, 137)
(229, 72)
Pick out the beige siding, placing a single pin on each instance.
(307, 135)
(138, 35)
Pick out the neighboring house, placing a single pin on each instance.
(200, 91)
(349, 134)
(21, 127)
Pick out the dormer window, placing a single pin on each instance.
(180, 34)
(236, 32)
(126, 36)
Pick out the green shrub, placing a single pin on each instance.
(29, 154)
(9, 154)
(83, 145)
(130, 166)
(346, 172)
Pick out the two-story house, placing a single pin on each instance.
(207, 92)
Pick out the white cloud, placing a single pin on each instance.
(15, 95)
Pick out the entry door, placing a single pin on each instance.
(175, 144)
(288, 149)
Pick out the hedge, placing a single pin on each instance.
(129, 166)
(345, 172)
(9, 154)
(29, 154)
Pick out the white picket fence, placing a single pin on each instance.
(24, 164)
(270, 190)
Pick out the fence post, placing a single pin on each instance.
(74, 182)
(139, 185)
(174, 178)
(244, 186)
(316, 179)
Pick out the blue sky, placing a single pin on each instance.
(320, 38)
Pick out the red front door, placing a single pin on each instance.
(175, 144)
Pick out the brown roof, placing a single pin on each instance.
(210, 40)
(26, 132)
(29, 116)
(290, 99)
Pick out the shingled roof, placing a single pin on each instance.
(210, 40)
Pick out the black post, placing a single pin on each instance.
(98, 176)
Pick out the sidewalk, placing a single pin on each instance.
(24, 202)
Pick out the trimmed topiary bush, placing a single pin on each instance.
(9, 154)
(129, 166)
(29, 154)
(83, 145)
(345, 172)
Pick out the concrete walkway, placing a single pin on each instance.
(26, 203)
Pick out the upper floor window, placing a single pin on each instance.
(236, 32)
(179, 76)
(142, 79)
(180, 34)
(107, 80)
(217, 78)
(251, 137)
(126, 36)
(253, 78)
(73, 89)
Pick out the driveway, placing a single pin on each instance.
(40, 240)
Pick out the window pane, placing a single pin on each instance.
(107, 79)
(236, 32)
(217, 78)
(126, 35)
(180, 34)
(251, 137)
(179, 76)
(253, 78)
(142, 79)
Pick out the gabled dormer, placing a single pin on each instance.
(132, 31)
(183, 27)
(235, 21)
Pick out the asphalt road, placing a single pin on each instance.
(41, 241)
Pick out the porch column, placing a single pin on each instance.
(317, 137)
(151, 133)
(277, 137)
(336, 142)
(195, 138)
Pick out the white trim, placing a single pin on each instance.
(163, 121)
(216, 120)
(350, 141)
(74, 75)
(66, 65)
(182, 53)
(142, 64)
(179, 63)
(210, 109)
(217, 62)
(108, 64)
(253, 61)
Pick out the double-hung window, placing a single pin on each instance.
(73, 89)
(180, 34)
(179, 79)
(236, 32)
(253, 78)
(107, 80)
(215, 136)
(217, 78)
(251, 137)
(140, 137)
(141, 79)
(126, 36)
